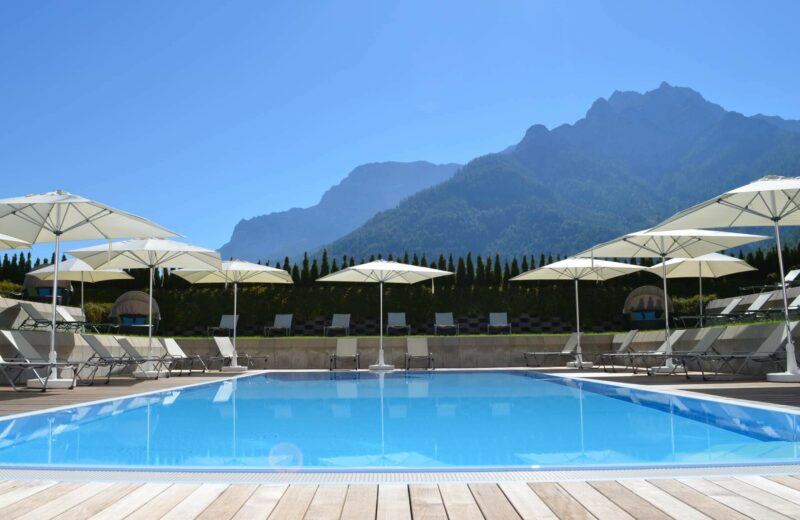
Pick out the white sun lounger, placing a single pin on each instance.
(102, 357)
(567, 351)
(181, 362)
(225, 347)
(29, 355)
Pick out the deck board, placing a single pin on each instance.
(733, 500)
(229, 503)
(459, 502)
(697, 500)
(560, 501)
(44, 496)
(164, 502)
(327, 503)
(360, 502)
(294, 503)
(393, 502)
(493, 502)
(759, 496)
(595, 502)
(66, 502)
(426, 502)
(131, 502)
(663, 500)
(261, 503)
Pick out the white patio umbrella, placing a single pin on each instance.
(8, 242)
(712, 265)
(381, 272)
(769, 201)
(60, 216)
(150, 254)
(576, 269)
(236, 272)
(76, 270)
(687, 243)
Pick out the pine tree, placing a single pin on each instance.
(497, 272)
(542, 261)
(405, 257)
(461, 273)
(296, 274)
(423, 261)
(353, 261)
(334, 267)
(415, 260)
(489, 269)
(480, 271)
(514, 268)
(442, 263)
(506, 272)
(286, 265)
(470, 270)
(524, 266)
(451, 266)
(324, 268)
(305, 274)
(314, 273)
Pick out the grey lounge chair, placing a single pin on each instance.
(756, 309)
(181, 362)
(35, 319)
(770, 351)
(726, 314)
(36, 362)
(417, 350)
(538, 357)
(606, 359)
(225, 347)
(346, 348)
(156, 359)
(637, 360)
(227, 323)
(102, 357)
(339, 322)
(444, 322)
(498, 321)
(703, 347)
(397, 321)
(281, 322)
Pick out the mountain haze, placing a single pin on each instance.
(633, 160)
(365, 191)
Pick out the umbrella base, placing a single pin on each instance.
(665, 369)
(233, 369)
(381, 368)
(783, 377)
(581, 365)
(147, 374)
(51, 383)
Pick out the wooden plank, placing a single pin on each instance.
(426, 502)
(164, 502)
(66, 502)
(560, 502)
(361, 502)
(595, 502)
(786, 481)
(663, 500)
(294, 503)
(21, 507)
(228, 503)
(770, 486)
(697, 500)
(629, 501)
(197, 502)
(393, 502)
(261, 503)
(759, 496)
(23, 491)
(732, 500)
(459, 502)
(493, 502)
(327, 503)
(98, 502)
(132, 502)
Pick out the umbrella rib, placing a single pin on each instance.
(89, 219)
(790, 201)
(742, 209)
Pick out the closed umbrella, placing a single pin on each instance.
(57, 216)
(236, 272)
(150, 254)
(576, 269)
(712, 265)
(76, 270)
(381, 272)
(669, 244)
(770, 201)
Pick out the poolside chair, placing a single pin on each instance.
(770, 351)
(281, 322)
(397, 321)
(346, 348)
(638, 359)
(498, 321)
(101, 357)
(703, 347)
(155, 360)
(227, 323)
(725, 314)
(21, 367)
(606, 359)
(181, 361)
(755, 310)
(225, 347)
(339, 322)
(444, 322)
(417, 350)
(567, 352)
(35, 319)
(29, 355)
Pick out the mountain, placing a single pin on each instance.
(633, 160)
(368, 189)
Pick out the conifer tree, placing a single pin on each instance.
(542, 261)
(514, 268)
(423, 261)
(480, 271)
(295, 274)
(286, 265)
(524, 267)
(506, 272)
(305, 274)
(461, 273)
(451, 266)
(334, 267)
(442, 263)
(405, 257)
(324, 268)
(314, 272)
(415, 260)
(497, 272)
(470, 270)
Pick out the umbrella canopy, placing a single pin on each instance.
(57, 216)
(769, 201)
(381, 272)
(712, 265)
(236, 272)
(669, 244)
(148, 253)
(576, 269)
(9, 242)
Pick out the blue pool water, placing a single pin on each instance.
(440, 420)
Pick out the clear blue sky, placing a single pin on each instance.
(199, 113)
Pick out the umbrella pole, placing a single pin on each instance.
(380, 324)
(235, 360)
(83, 309)
(150, 316)
(52, 356)
(792, 373)
(668, 367)
(701, 293)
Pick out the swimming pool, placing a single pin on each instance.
(446, 420)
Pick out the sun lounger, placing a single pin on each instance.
(417, 350)
(637, 360)
(35, 319)
(625, 340)
(20, 367)
(770, 351)
(225, 347)
(725, 315)
(756, 309)
(102, 357)
(155, 360)
(443, 321)
(227, 323)
(29, 355)
(498, 321)
(281, 322)
(346, 348)
(538, 357)
(339, 322)
(703, 347)
(397, 321)
(181, 362)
